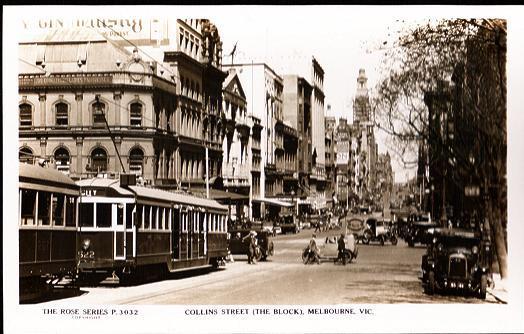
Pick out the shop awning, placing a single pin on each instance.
(220, 195)
(273, 201)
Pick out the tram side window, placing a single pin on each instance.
(103, 215)
(161, 218)
(28, 207)
(140, 216)
(44, 206)
(86, 214)
(153, 217)
(129, 215)
(58, 209)
(147, 216)
(70, 214)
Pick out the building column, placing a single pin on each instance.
(79, 145)
(118, 144)
(42, 99)
(79, 99)
(43, 145)
(117, 96)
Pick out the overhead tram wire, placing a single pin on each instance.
(138, 48)
(98, 101)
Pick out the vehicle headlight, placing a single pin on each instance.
(86, 244)
(439, 247)
(475, 249)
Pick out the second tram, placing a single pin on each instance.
(124, 229)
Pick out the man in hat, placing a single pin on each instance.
(313, 248)
(341, 246)
(251, 239)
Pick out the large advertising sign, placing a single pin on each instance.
(139, 31)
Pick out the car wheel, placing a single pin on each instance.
(305, 256)
(430, 285)
(394, 240)
(483, 286)
(349, 257)
(258, 254)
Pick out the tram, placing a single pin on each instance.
(127, 230)
(47, 228)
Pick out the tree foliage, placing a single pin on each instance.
(465, 58)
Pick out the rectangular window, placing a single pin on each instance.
(70, 215)
(103, 214)
(86, 214)
(129, 215)
(58, 209)
(135, 117)
(26, 115)
(147, 216)
(61, 114)
(44, 206)
(28, 207)
(161, 219)
(154, 222)
(140, 216)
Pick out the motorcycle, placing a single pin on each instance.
(347, 256)
(308, 256)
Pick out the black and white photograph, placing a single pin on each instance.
(262, 169)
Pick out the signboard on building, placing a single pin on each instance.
(121, 30)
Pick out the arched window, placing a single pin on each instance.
(62, 160)
(98, 109)
(135, 114)
(25, 155)
(136, 161)
(61, 114)
(99, 160)
(26, 115)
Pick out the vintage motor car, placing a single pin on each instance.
(456, 260)
(378, 230)
(289, 223)
(239, 245)
(420, 232)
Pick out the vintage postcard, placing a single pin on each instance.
(262, 169)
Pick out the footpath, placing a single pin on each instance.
(499, 289)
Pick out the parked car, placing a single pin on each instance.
(238, 245)
(457, 260)
(420, 232)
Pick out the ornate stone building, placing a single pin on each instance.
(91, 105)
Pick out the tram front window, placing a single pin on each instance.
(86, 215)
(103, 215)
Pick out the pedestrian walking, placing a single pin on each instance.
(251, 239)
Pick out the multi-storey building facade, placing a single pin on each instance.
(318, 173)
(342, 161)
(263, 88)
(366, 148)
(255, 164)
(89, 105)
(330, 124)
(235, 164)
(297, 111)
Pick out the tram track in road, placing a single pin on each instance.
(206, 283)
